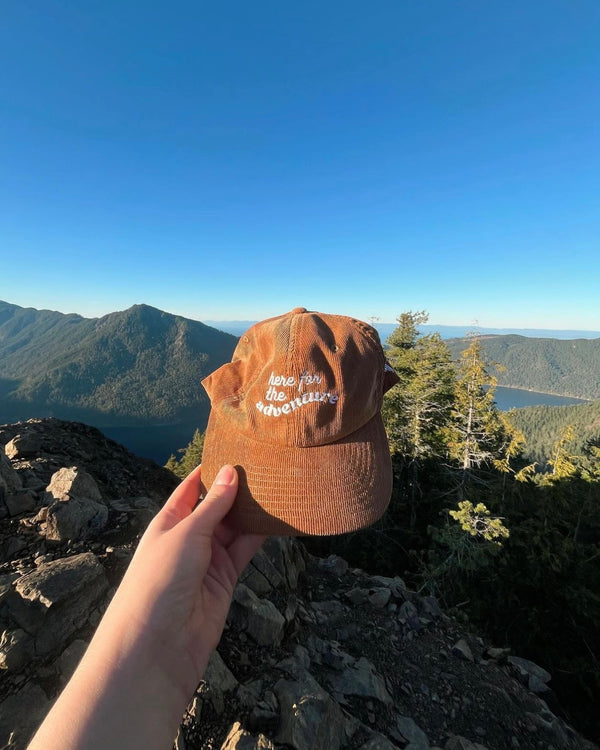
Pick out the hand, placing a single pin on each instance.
(152, 645)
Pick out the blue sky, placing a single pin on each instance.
(234, 160)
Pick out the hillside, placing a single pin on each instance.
(565, 368)
(542, 426)
(140, 366)
(317, 655)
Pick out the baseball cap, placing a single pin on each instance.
(297, 411)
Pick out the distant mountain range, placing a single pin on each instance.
(137, 367)
(238, 327)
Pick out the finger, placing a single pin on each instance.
(217, 503)
(182, 500)
(243, 549)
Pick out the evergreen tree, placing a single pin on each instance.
(191, 456)
(419, 406)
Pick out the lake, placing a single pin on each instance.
(515, 398)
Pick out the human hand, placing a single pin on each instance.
(176, 593)
(154, 641)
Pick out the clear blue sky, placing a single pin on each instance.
(234, 160)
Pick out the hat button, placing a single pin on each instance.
(298, 310)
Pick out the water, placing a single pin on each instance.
(511, 398)
(157, 443)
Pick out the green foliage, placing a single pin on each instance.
(191, 456)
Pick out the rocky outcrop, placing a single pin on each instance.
(315, 655)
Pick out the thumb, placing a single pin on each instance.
(218, 501)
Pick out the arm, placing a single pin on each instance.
(152, 645)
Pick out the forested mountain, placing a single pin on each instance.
(543, 425)
(565, 368)
(138, 366)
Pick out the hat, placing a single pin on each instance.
(297, 411)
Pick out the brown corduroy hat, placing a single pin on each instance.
(297, 411)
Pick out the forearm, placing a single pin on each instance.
(118, 698)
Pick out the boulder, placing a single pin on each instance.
(23, 446)
(16, 649)
(19, 502)
(360, 679)
(310, 718)
(56, 599)
(260, 618)
(11, 478)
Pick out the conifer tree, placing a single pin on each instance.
(191, 456)
(419, 406)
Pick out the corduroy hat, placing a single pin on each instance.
(297, 411)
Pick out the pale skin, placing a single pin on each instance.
(153, 644)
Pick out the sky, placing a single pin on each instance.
(235, 160)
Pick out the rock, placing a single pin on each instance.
(16, 649)
(409, 731)
(21, 714)
(73, 482)
(56, 599)
(218, 676)
(310, 718)
(260, 575)
(329, 611)
(462, 650)
(456, 742)
(19, 502)
(286, 555)
(239, 739)
(75, 519)
(379, 598)
(532, 675)
(71, 656)
(378, 742)
(357, 595)
(23, 446)
(409, 615)
(362, 680)
(335, 565)
(260, 618)
(12, 480)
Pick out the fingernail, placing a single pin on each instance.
(225, 475)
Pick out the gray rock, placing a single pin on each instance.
(360, 679)
(357, 595)
(74, 519)
(12, 480)
(21, 714)
(218, 674)
(73, 482)
(23, 446)
(260, 575)
(56, 599)
(239, 739)
(409, 731)
(379, 597)
(335, 565)
(260, 618)
(329, 611)
(16, 649)
(462, 650)
(310, 718)
(532, 675)
(409, 615)
(456, 742)
(286, 555)
(378, 742)
(19, 502)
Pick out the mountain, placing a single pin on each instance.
(140, 366)
(562, 367)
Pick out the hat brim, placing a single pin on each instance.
(321, 490)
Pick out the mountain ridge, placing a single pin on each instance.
(140, 365)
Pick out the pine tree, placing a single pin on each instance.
(191, 456)
(419, 406)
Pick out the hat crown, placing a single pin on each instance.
(301, 379)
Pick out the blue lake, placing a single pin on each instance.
(515, 398)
